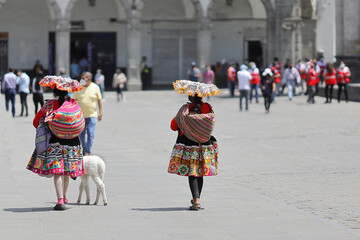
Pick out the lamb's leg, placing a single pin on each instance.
(87, 189)
(81, 189)
(97, 195)
(101, 188)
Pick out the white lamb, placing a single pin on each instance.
(94, 168)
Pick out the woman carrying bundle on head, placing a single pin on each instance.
(195, 153)
(58, 151)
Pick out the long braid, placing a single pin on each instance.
(198, 102)
(61, 94)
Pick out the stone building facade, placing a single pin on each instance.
(172, 33)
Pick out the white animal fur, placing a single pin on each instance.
(94, 168)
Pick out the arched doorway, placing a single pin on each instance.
(25, 39)
(169, 37)
(98, 36)
(239, 30)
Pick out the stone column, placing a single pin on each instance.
(204, 43)
(271, 47)
(62, 46)
(294, 26)
(133, 50)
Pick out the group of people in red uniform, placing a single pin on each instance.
(315, 73)
(309, 75)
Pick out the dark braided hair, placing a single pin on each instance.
(61, 94)
(198, 102)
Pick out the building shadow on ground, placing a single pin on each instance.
(28, 209)
(169, 209)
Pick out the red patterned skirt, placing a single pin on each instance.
(189, 158)
(58, 159)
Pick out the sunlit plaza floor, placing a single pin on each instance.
(290, 174)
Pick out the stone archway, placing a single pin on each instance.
(240, 29)
(55, 8)
(20, 36)
(169, 37)
(68, 9)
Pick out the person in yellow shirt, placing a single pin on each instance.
(89, 99)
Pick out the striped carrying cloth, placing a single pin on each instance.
(67, 121)
(196, 127)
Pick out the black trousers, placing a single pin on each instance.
(196, 184)
(38, 98)
(329, 92)
(341, 86)
(311, 93)
(23, 100)
(10, 97)
(267, 101)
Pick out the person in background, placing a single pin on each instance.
(74, 70)
(100, 81)
(301, 67)
(23, 81)
(277, 80)
(8, 85)
(291, 75)
(311, 82)
(38, 67)
(194, 73)
(119, 81)
(89, 99)
(37, 91)
(224, 73)
(277, 65)
(330, 81)
(318, 73)
(231, 74)
(255, 73)
(267, 85)
(145, 74)
(322, 65)
(83, 64)
(218, 77)
(244, 78)
(343, 78)
(208, 75)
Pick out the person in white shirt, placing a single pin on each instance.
(100, 81)
(9, 87)
(37, 91)
(291, 75)
(244, 78)
(23, 81)
(119, 81)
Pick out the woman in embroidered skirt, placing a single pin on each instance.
(63, 157)
(195, 153)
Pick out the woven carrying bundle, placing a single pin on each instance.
(196, 127)
(67, 121)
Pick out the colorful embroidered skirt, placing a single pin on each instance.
(58, 160)
(191, 159)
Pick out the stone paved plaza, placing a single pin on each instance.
(290, 174)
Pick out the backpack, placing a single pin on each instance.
(67, 121)
(42, 137)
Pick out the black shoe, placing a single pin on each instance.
(60, 207)
(195, 207)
